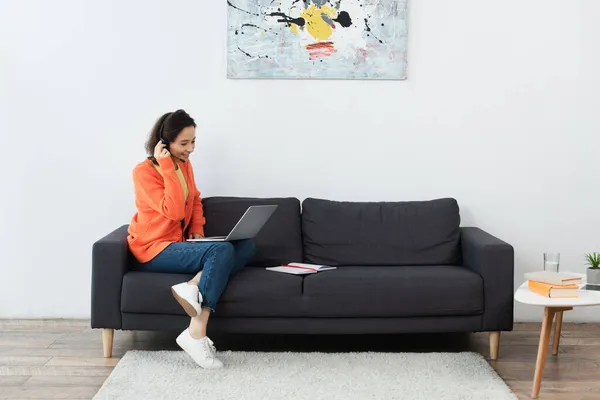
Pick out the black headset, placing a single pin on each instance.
(160, 132)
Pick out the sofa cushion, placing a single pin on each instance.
(252, 292)
(381, 233)
(402, 291)
(280, 239)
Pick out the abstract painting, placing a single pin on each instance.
(317, 39)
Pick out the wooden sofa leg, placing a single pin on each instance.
(494, 345)
(107, 341)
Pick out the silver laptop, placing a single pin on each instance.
(247, 227)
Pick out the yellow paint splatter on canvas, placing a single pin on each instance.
(315, 24)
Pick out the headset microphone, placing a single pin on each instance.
(160, 132)
(162, 139)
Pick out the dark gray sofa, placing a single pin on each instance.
(403, 267)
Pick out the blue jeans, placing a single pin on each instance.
(217, 261)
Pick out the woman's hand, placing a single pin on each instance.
(160, 151)
(195, 236)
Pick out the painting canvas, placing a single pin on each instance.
(317, 39)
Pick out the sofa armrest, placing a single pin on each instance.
(493, 259)
(110, 262)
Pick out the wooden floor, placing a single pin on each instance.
(58, 359)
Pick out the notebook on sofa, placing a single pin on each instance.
(300, 268)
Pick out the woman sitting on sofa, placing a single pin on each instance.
(169, 211)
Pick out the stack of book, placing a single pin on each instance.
(553, 284)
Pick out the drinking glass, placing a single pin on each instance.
(551, 262)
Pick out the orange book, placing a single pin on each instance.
(554, 291)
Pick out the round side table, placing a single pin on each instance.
(552, 307)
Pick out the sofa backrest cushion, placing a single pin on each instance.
(381, 233)
(280, 239)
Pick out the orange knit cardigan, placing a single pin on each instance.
(163, 215)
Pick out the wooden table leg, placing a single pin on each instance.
(549, 313)
(557, 330)
(542, 350)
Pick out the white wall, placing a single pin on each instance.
(499, 111)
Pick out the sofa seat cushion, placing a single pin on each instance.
(252, 292)
(280, 239)
(401, 291)
(381, 233)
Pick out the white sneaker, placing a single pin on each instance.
(202, 351)
(189, 297)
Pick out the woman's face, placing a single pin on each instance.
(184, 143)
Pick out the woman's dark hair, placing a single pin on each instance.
(170, 125)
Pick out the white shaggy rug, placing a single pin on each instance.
(163, 375)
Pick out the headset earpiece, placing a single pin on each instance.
(160, 132)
